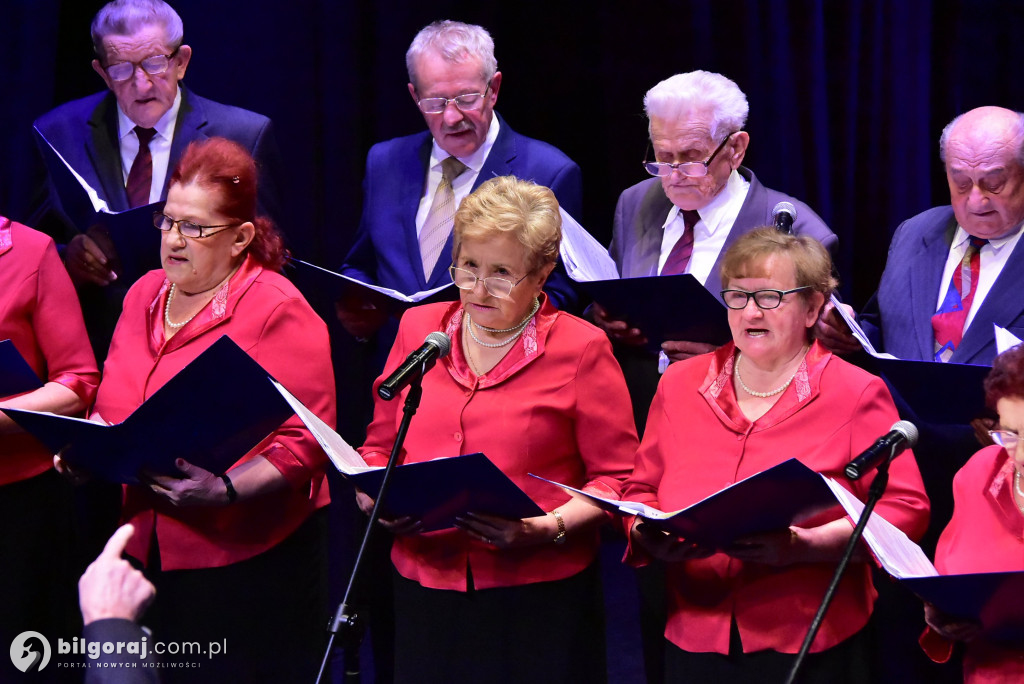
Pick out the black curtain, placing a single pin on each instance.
(847, 98)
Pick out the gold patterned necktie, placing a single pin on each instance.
(441, 216)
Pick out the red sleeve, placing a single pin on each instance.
(294, 348)
(60, 330)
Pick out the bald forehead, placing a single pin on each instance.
(985, 142)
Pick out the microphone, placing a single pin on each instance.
(436, 346)
(902, 436)
(784, 214)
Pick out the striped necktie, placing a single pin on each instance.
(441, 216)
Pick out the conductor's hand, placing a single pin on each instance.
(832, 331)
(361, 316)
(400, 526)
(617, 330)
(952, 628)
(111, 587)
(198, 487)
(665, 546)
(679, 350)
(88, 262)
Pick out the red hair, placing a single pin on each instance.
(1006, 379)
(229, 171)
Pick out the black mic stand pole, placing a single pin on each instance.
(345, 618)
(875, 493)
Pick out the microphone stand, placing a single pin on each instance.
(875, 493)
(345, 619)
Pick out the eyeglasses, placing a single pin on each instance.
(466, 102)
(695, 169)
(765, 299)
(154, 66)
(1005, 438)
(495, 286)
(187, 229)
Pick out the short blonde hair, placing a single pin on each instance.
(811, 262)
(529, 212)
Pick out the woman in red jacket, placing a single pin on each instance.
(740, 613)
(986, 533)
(236, 557)
(538, 391)
(39, 313)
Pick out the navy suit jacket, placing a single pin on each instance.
(387, 251)
(898, 319)
(643, 208)
(85, 133)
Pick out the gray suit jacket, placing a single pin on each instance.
(642, 209)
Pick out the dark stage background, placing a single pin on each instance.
(847, 98)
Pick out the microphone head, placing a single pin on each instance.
(784, 208)
(442, 342)
(908, 430)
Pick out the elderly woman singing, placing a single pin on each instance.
(538, 391)
(738, 614)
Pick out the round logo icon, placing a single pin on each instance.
(30, 651)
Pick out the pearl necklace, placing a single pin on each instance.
(761, 395)
(517, 328)
(167, 312)
(1016, 484)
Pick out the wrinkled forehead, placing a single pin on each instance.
(148, 40)
(970, 151)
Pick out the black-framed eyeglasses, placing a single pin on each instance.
(467, 102)
(765, 299)
(695, 169)
(1007, 439)
(154, 66)
(188, 229)
(495, 286)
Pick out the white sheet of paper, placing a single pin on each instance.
(900, 557)
(858, 332)
(585, 258)
(98, 204)
(1005, 340)
(386, 291)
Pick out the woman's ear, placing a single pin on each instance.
(243, 238)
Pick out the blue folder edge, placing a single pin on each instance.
(995, 599)
(16, 376)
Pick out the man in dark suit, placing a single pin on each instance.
(701, 200)
(454, 81)
(141, 59)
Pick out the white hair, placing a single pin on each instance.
(127, 17)
(456, 42)
(947, 132)
(684, 95)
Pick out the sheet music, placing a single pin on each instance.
(386, 291)
(900, 557)
(1005, 340)
(585, 258)
(858, 332)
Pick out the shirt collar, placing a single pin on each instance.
(961, 236)
(164, 126)
(714, 211)
(475, 161)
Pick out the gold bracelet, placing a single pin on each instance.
(560, 537)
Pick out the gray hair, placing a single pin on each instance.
(947, 132)
(127, 17)
(684, 94)
(456, 42)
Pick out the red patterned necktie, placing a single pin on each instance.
(948, 322)
(679, 257)
(140, 178)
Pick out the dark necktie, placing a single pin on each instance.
(948, 322)
(679, 257)
(140, 178)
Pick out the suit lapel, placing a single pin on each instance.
(650, 220)
(749, 217)
(1002, 304)
(191, 121)
(925, 280)
(415, 176)
(104, 152)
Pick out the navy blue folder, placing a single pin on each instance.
(995, 599)
(438, 491)
(213, 412)
(675, 307)
(16, 376)
(939, 393)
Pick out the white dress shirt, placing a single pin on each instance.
(994, 256)
(159, 146)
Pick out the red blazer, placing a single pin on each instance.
(39, 312)
(986, 534)
(268, 318)
(555, 406)
(698, 441)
